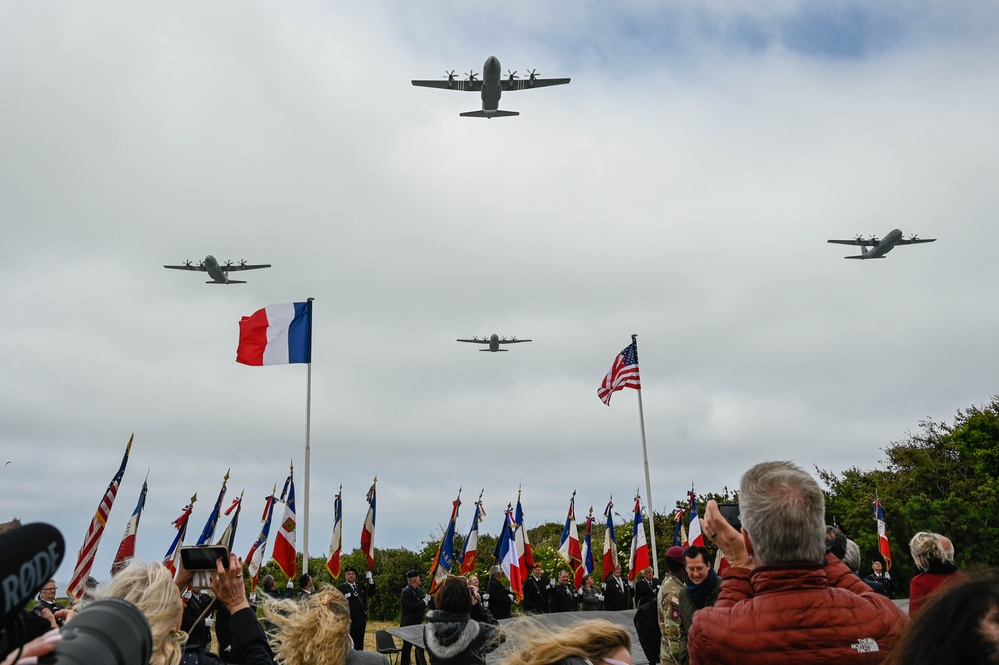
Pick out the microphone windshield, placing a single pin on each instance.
(29, 557)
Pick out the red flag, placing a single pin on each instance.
(623, 374)
(525, 556)
(284, 543)
(368, 532)
(85, 559)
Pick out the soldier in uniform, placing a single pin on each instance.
(669, 606)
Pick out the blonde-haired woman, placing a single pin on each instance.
(934, 557)
(315, 631)
(153, 589)
(595, 641)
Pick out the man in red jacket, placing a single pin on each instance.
(783, 600)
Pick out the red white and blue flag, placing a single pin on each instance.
(444, 559)
(170, 558)
(368, 532)
(255, 559)
(336, 542)
(285, 552)
(694, 534)
(610, 543)
(883, 546)
(85, 558)
(623, 374)
(213, 519)
(276, 335)
(525, 556)
(470, 550)
(679, 533)
(506, 554)
(640, 559)
(228, 537)
(126, 549)
(568, 546)
(587, 567)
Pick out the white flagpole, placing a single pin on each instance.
(308, 450)
(648, 482)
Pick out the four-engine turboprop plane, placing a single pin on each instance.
(218, 273)
(880, 247)
(491, 87)
(494, 342)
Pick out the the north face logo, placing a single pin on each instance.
(865, 645)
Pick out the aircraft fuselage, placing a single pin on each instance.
(491, 88)
(494, 338)
(214, 271)
(886, 245)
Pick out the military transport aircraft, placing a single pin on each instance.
(880, 247)
(494, 342)
(491, 87)
(219, 273)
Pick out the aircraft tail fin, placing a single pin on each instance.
(488, 114)
(853, 256)
(864, 257)
(496, 351)
(231, 281)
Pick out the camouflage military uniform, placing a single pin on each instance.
(669, 619)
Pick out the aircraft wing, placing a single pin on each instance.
(513, 341)
(855, 241)
(194, 267)
(462, 85)
(527, 84)
(243, 266)
(473, 341)
(915, 241)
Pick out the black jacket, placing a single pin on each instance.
(563, 599)
(615, 597)
(413, 606)
(249, 643)
(646, 591)
(536, 595)
(499, 599)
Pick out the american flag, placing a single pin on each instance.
(623, 374)
(88, 551)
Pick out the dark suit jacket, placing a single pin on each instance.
(499, 599)
(357, 599)
(644, 591)
(563, 599)
(413, 606)
(616, 597)
(536, 595)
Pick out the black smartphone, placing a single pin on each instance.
(203, 557)
(730, 511)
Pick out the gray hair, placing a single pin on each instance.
(852, 556)
(927, 547)
(783, 511)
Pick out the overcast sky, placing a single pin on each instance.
(682, 187)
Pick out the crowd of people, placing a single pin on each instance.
(791, 592)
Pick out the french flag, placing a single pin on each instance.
(276, 335)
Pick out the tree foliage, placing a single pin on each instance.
(944, 478)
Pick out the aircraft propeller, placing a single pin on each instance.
(913, 237)
(471, 75)
(242, 263)
(201, 264)
(512, 75)
(228, 264)
(449, 75)
(874, 239)
(187, 263)
(533, 73)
